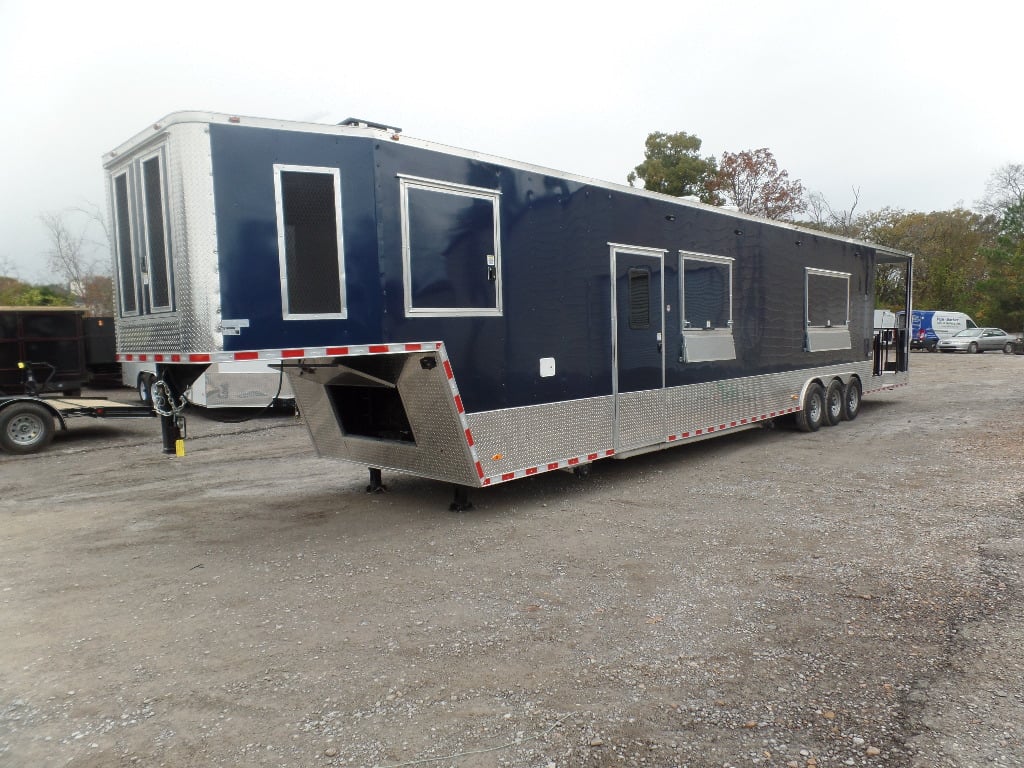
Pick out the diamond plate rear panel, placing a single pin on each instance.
(193, 325)
(440, 450)
(528, 437)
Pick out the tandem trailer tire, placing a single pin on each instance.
(25, 427)
(811, 416)
(834, 403)
(144, 386)
(851, 399)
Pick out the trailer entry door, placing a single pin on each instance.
(638, 366)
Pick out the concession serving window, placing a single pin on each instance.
(706, 293)
(827, 309)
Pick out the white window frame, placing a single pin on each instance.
(705, 344)
(281, 238)
(147, 277)
(479, 193)
(834, 336)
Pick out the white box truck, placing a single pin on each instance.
(930, 326)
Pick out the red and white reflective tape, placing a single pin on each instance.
(886, 388)
(273, 355)
(570, 463)
(576, 461)
(731, 424)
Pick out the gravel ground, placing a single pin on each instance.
(851, 597)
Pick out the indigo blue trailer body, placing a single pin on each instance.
(473, 319)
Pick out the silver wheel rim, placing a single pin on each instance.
(815, 410)
(24, 429)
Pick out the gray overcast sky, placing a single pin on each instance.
(915, 103)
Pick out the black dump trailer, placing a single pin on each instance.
(476, 320)
(50, 340)
(101, 352)
(46, 355)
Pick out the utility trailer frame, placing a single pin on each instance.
(27, 421)
(473, 319)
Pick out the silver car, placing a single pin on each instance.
(978, 340)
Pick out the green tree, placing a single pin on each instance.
(947, 248)
(752, 181)
(15, 293)
(673, 165)
(1002, 288)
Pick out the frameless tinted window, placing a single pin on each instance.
(639, 298)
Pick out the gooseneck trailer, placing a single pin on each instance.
(476, 320)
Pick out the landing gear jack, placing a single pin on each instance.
(461, 502)
(376, 482)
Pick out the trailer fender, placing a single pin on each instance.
(26, 424)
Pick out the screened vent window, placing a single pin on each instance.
(310, 242)
(123, 243)
(707, 308)
(639, 299)
(451, 249)
(827, 296)
(159, 277)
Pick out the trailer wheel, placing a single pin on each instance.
(810, 417)
(145, 388)
(834, 403)
(25, 427)
(851, 400)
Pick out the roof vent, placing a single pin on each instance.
(357, 122)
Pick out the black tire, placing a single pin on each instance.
(144, 387)
(811, 416)
(1008, 348)
(973, 347)
(25, 427)
(934, 347)
(834, 403)
(852, 395)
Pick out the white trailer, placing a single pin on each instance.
(246, 384)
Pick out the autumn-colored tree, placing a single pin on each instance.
(752, 181)
(673, 165)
